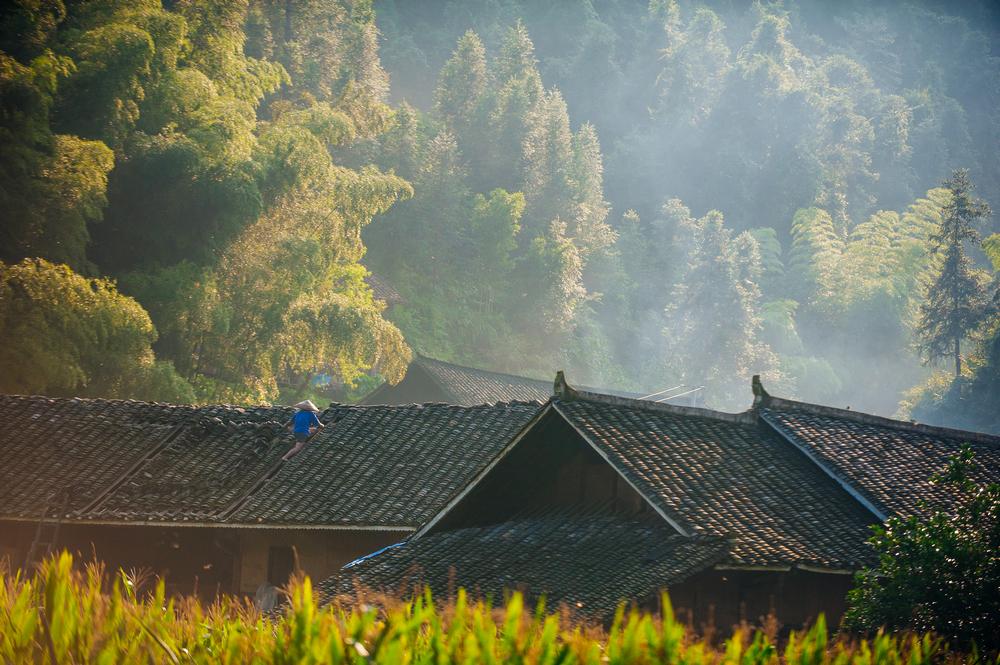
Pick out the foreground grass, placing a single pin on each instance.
(65, 615)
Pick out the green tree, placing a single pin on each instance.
(548, 154)
(517, 54)
(695, 63)
(289, 287)
(169, 201)
(75, 181)
(462, 83)
(26, 26)
(216, 47)
(519, 93)
(938, 572)
(51, 186)
(61, 333)
(120, 49)
(330, 50)
(552, 283)
(956, 300)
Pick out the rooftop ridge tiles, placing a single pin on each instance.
(205, 410)
(134, 402)
(441, 405)
(566, 393)
(778, 404)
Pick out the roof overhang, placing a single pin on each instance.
(785, 568)
(550, 407)
(604, 455)
(462, 493)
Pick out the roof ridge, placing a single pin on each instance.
(119, 400)
(420, 358)
(767, 401)
(100, 400)
(566, 393)
(443, 405)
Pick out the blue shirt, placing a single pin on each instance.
(303, 420)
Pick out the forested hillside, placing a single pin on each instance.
(189, 150)
(648, 196)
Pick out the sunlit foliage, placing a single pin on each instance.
(63, 614)
(940, 573)
(192, 148)
(957, 300)
(188, 149)
(65, 334)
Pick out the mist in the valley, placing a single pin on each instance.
(768, 170)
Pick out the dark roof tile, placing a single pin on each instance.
(469, 386)
(890, 463)
(387, 465)
(725, 475)
(135, 461)
(589, 562)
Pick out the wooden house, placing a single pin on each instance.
(602, 499)
(202, 494)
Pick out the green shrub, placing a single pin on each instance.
(940, 573)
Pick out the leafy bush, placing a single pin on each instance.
(64, 615)
(941, 573)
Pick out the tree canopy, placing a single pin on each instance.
(642, 194)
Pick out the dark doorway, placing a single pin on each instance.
(280, 564)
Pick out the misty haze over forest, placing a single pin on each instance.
(645, 195)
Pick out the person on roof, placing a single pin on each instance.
(304, 424)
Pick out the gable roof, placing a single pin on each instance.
(724, 475)
(132, 461)
(589, 562)
(780, 485)
(467, 385)
(386, 465)
(789, 483)
(888, 463)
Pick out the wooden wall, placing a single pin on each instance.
(725, 598)
(206, 560)
(320, 553)
(552, 467)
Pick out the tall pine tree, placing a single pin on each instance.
(956, 300)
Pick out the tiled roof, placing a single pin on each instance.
(589, 562)
(135, 461)
(127, 460)
(723, 474)
(214, 461)
(466, 385)
(387, 465)
(81, 446)
(889, 463)
(383, 290)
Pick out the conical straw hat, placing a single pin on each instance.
(306, 405)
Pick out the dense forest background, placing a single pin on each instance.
(653, 195)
